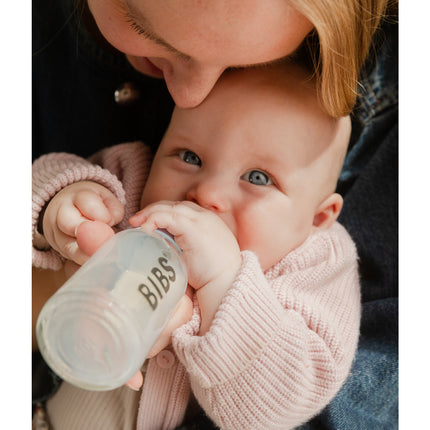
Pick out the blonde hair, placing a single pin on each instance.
(339, 45)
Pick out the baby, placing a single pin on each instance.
(245, 182)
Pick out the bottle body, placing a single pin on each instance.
(97, 329)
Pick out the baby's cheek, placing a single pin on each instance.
(148, 197)
(264, 237)
(250, 234)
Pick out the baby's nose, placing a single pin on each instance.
(210, 195)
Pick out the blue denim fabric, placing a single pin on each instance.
(378, 97)
(73, 110)
(369, 184)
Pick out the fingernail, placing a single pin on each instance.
(132, 387)
(76, 229)
(146, 229)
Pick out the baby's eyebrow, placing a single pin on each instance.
(144, 26)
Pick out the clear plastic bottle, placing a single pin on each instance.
(97, 329)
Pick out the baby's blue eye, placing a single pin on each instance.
(190, 157)
(257, 177)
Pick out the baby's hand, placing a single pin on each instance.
(211, 252)
(209, 247)
(76, 203)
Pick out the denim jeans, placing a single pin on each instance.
(74, 110)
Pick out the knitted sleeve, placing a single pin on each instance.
(122, 169)
(282, 342)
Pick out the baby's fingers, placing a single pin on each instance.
(68, 248)
(165, 214)
(92, 206)
(136, 381)
(91, 235)
(181, 315)
(114, 206)
(142, 216)
(68, 219)
(137, 219)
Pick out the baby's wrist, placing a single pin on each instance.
(39, 241)
(211, 294)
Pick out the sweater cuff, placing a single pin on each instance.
(245, 323)
(52, 173)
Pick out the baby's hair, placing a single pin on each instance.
(340, 44)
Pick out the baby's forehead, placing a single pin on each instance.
(289, 79)
(288, 94)
(289, 90)
(277, 108)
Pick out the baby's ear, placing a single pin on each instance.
(328, 211)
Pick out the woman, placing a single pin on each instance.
(79, 63)
(89, 95)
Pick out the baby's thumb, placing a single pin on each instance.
(90, 235)
(114, 206)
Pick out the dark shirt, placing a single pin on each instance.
(74, 82)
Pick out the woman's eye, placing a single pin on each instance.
(190, 157)
(257, 177)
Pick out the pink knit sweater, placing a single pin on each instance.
(282, 341)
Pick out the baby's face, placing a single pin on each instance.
(252, 157)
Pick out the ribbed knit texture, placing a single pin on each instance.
(281, 343)
(72, 408)
(280, 346)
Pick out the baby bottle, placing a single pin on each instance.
(97, 329)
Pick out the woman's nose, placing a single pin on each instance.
(189, 84)
(211, 195)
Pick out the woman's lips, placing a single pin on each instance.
(145, 66)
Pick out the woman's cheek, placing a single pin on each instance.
(112, 22)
